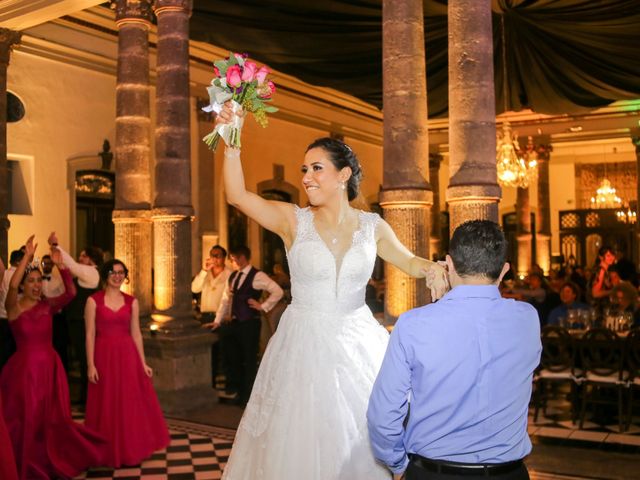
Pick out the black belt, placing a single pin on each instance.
(471, 469)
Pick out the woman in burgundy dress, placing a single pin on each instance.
(46, 441)
(7, 461)
(121, 402)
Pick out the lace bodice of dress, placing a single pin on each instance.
(315, 283)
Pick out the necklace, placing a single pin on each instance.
(334, 234)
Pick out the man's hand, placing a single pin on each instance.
(256, 305)
(208, 263)
(398, 476)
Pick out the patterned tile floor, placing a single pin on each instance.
(196, 452)
(200, 452)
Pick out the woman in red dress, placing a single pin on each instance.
(7, 461)
(46, 441)
(121, 402)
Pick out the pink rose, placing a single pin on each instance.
(249, 72)
(216, 71)
(262, 74)
(267, 90)
(234, 76)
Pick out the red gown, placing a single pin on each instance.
(46, 441)
(122, 406)
(7, 461)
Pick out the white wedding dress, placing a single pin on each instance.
(306, 418)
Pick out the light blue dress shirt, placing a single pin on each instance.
(465, 364)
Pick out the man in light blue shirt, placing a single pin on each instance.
(465, 366)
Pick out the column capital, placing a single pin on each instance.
(406, 197)
(133, 11)
(8, 38)
(543, 151)
(435, 159)
(173, 5)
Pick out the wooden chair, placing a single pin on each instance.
(601, 352)
(557, 366)
(632, 365)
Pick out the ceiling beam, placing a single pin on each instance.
(22, 14)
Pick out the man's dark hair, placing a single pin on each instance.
(241, 250)
(218, 247)
(573, 286)
(15, 257)
(478, 247)
(95, 254)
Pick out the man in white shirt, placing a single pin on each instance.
(238, 321)
(87, 280)
(210, 284)
(7, 344)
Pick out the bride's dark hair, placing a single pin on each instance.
(341, 156)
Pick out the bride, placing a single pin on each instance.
(306, 418)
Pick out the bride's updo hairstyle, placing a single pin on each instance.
(341, 156)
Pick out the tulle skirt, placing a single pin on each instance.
(46, 441)
(123, 406)
(306, 418)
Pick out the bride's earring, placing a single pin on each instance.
(343, 185)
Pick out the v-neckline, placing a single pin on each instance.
(104, 302)
(337, 266)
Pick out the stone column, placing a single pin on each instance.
(179, 349)
(523, 231)
(473, 191)
(132, 215)
(543, 221)
(406, 196)
(435, 159)
(8, 38)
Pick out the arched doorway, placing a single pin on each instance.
(271, 245)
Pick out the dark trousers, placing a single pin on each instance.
(7, 343)
(209, 317)
(77, 336)
(61, 338)
(239, 342)
(416, 472)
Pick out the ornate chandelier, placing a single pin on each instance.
(515, 169)
(606, 196)
(627, 216)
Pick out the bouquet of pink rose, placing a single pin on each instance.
(241, 81)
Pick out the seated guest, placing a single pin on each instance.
(624, 299)
(464, 365)
(569, 294)
(539, 295)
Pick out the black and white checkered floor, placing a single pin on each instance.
(196, 452)
(200, 452)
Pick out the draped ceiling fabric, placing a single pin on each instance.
(562, 56)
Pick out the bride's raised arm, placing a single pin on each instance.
(393, 251)
(279, 217)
